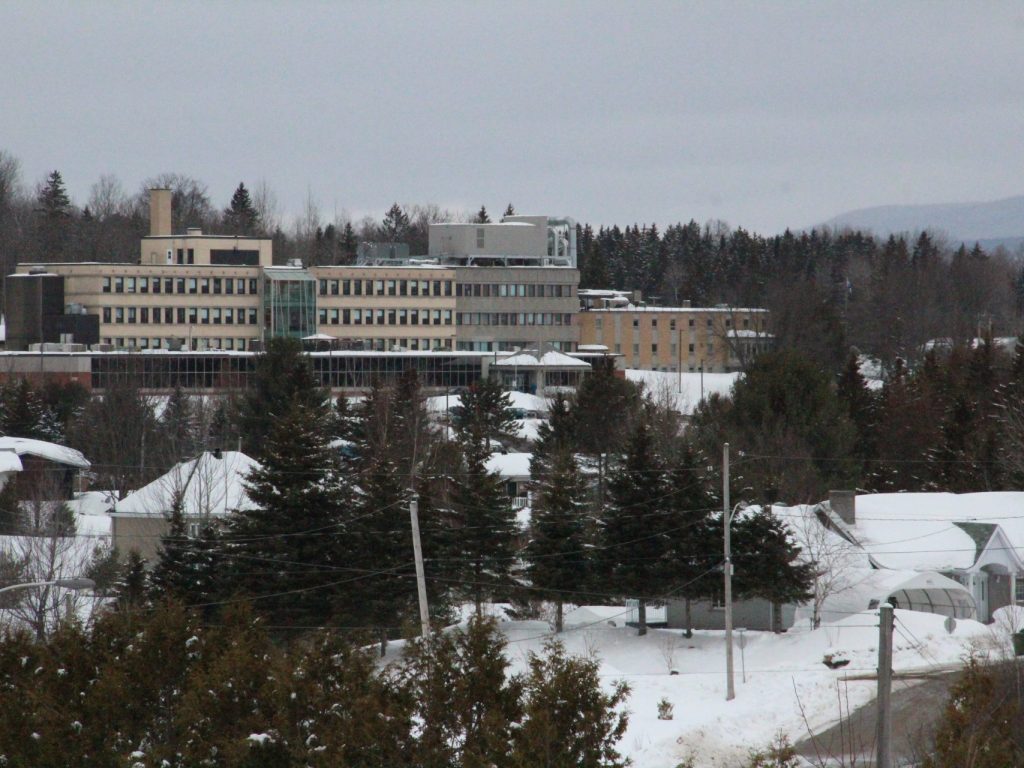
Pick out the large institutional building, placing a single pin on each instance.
(488, 287)
(710, 339)
(487, 299)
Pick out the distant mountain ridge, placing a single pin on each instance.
(999, 222)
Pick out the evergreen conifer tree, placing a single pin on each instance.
(282, 379)
(484, 413)
(765, 563)
(23, 413)
(53, 212)
(509, 210)
(241, 217)
(486, 527)
(636, 541)
(395, 226)
(482, 217)
(294, 545)
(133, 584)
(556, 555)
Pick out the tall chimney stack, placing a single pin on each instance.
(159, 212)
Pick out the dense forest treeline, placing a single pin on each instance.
(828, 291)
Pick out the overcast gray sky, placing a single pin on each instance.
(765, 115)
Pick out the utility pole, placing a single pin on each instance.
(884, 704)
(730, 688)
(417, 549)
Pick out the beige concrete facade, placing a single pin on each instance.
(504, 308)
(385, 307)
(678, 338)
(160, 307)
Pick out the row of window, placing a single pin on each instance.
(385, 287)
(691, 323)
(515, 290)
(416, 345)
(227, 286)
(708, 349)
(181, 315)
(196, 344)
(385, 316)
(515, 318)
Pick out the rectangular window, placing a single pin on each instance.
(672, 324)
(131, 314)
(168, 315)
(322, 316)
(391, 317)
(357, 317)
(403, 287)
(403, 317)
(392, 288)
(691, 322)
(654, 322)
(448, 288)
(654, 349)
(346, 317)
(369, 317)
(691, 349)
(157, 315)
(216, 315)
(106, 314)
(323, 287)
(118, 314)
(204, 285)
(334, 317)
(181, 255)
(106, 285)
(229, 316)
(229, 286)
(181, 315)
(144, 315)
(144, 284)
(193, 315)
(380, 317)
(240, 286)
(193, 285)
(334, 287)
(346, 287)
(217, 285)
(448, 315)
(480, 237)
(598, 323)
(636, 350)
(252, 317)
(168, 285)
(437, 288)
(204, 316)
(118, 285)
(157, 283)
(191, 255)
(252, 286)
(357, 287)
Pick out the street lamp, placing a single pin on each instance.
(76, 584)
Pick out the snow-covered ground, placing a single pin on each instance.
(684, 390)
(785, 677)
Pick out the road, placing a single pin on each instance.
(917, 705)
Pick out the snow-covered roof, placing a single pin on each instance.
(635, 308)
(207, 485)
(747, 333)
(510, 465)
(550, 359)
(42, 449)
(9, 461)
(924, 531)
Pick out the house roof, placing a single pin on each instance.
(935, 531)
(206, 485)
(510, 465)
(42, 449)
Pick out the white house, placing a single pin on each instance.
(212, 485)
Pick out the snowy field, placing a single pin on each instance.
(684, 390)
(784, 675)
